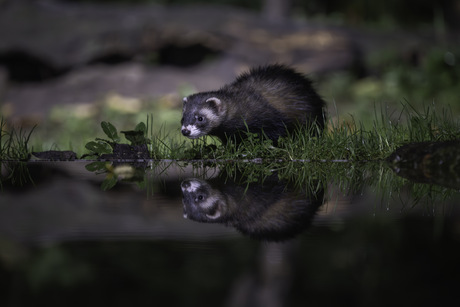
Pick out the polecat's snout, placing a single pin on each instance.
(186, 132)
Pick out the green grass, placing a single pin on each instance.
(344, 140)
(14, 146)
(14, 143)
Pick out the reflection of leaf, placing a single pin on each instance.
(110, 131)
(142, 184)
(109, 183)
(96, 166)
(99, 147)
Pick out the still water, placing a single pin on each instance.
(177, 234)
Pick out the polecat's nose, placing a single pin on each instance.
(186, 132)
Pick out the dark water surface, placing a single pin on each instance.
(183, 235)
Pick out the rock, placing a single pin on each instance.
(62, 53)
(54, 155)
(429, 162)
(127, 152)
(67, 36)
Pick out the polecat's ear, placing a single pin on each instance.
(217, 104)
(184, 99)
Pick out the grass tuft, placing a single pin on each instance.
(14, 144)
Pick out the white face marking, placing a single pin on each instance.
(210, 115)
(194, 185)
(208, 203)
(214, 216)
(194, 131)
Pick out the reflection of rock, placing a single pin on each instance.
(269, 210)
(429, 162)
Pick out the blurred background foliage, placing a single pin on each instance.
(393, 80)
(408, 13)
(391, 76)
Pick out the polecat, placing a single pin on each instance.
(270, 100)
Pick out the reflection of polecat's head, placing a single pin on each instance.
(201, 202)
(268, 211)
(201, 113)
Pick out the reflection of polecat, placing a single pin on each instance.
(269, 211)
(272, 100)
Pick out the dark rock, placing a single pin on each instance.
(54, 155)
(127, 152)
(429, 162)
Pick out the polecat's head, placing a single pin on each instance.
(201, 202)
(200, 114)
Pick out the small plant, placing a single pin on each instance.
(136, 137)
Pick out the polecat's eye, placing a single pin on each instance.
(200, 118)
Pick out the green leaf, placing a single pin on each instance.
(135, 137)
(99, 147)
(110, 131)
(141, 127)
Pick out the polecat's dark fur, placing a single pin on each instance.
(272, 99)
